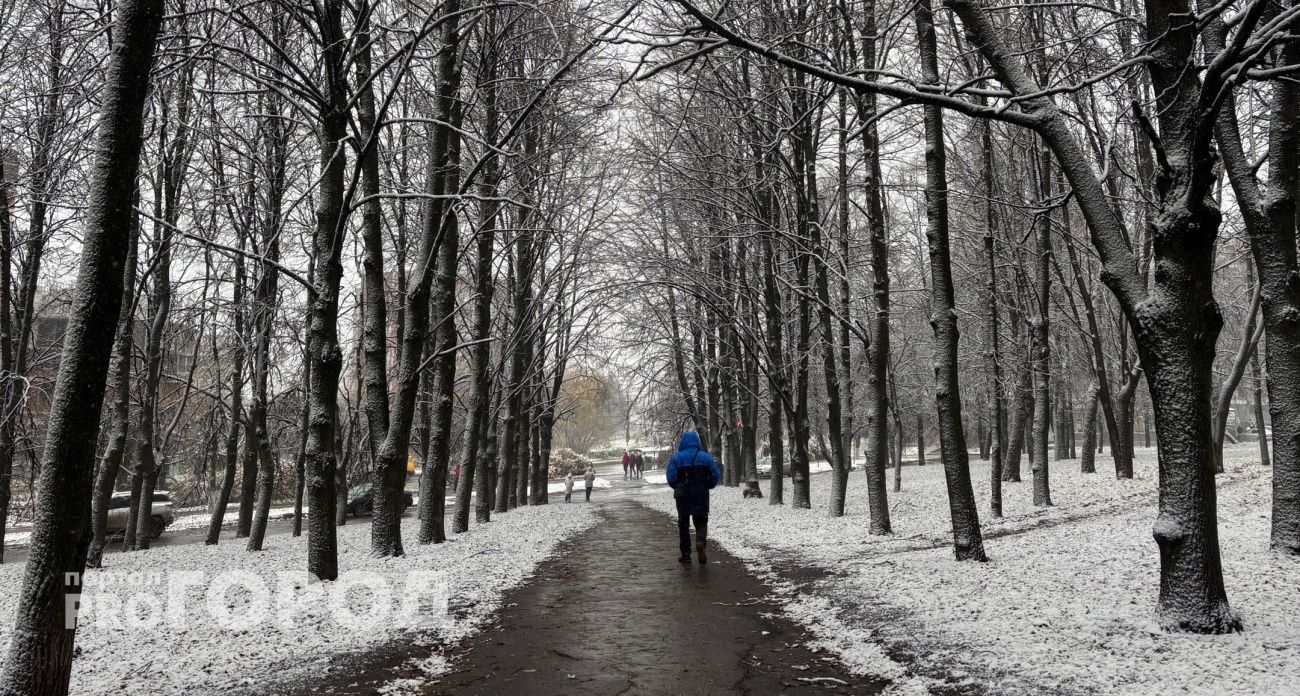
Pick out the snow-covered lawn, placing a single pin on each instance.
(202, 649)
(186, 519)
(1065, 605)
(200, 520)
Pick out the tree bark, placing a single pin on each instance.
(1270, 213)
(234, 417)
(968, 542)
(998, 404)
(1223, 400)
(120, 381)
(1039, 332)
(436, 255)
(326, 357)
(1257, 394)
(265, 295)
(1087, 462)
(300, 460)
(830, 368)
(806, 216)
(479, 407)
(40, 651)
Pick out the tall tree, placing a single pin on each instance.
(41, 649)
(325, 356)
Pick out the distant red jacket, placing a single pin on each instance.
(627, 459)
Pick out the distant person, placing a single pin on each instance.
(590, 479)
(627, 464)
(692, 473)
(638, 461)
(568, 487)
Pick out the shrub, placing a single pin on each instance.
(565, 460)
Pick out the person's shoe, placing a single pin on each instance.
(699, 551)
(684, 560)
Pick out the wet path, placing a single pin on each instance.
(615, 613)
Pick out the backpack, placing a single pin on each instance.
(679, 491)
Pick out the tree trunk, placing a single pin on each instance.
(1016, 427)
(776, 383)
(120, 381)
(968, 542)
(247, 481)
(346, 451)
(920, 440)
(234, 420)
(40, 651)
(997, 403)
(839, 460)
(326, 359)
(1257, 394)
(439, 244)
(1101, 378)
(485, 283)
(300, 460)
(1039, 332)
(265, 297)
(1270, 213)
(1223, 401)
(1087, 462)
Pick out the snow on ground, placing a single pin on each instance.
(190, 518)
(1066, 604)
(200, 520)
(148, 627)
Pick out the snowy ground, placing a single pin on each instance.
(197, 518)
(189, 518)
(1066, 604)
(169, 621)
(201, 520)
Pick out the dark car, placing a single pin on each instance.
(361, 500)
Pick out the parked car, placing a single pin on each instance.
(765, 467)
(119, 512)
(361, 500)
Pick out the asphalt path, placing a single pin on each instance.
(613, 612)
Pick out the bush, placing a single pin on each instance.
(565, 460)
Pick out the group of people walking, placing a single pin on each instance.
(632, 463)
(588, 478)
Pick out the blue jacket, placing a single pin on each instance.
(691, 464)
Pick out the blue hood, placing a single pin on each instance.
(690, 440)
(693, 457)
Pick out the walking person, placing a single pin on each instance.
(590, 479)
(638, 461)
(627, 464)
(568, 487)
(692, 473)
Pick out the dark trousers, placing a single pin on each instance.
(687, 512)
(589, 494)
(568, 496)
